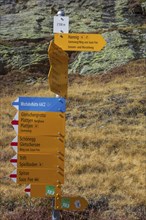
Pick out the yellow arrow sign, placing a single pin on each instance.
(41, 123)
(39, 144)
(39, 175)
(40, 161)
(43, 190)
(58, 80)
(58, 74)
(70, 203)
(80, 42)
(57, 55)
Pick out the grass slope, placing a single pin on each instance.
(105, 144)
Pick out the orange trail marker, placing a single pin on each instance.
(80, 42)
(70, 203)
(57, 54)
(38, 144)
(58, 81)
(37, 176)
(43, 190)
(58, 74)
(38, 161)
(41, 123)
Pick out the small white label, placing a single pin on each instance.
(61, 24)
(77, 204)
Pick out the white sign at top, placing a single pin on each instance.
(61, 24)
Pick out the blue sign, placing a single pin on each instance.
(40, 104)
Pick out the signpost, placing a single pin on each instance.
(80, 42)
(56, 85)
(39, 144)
(40, 124)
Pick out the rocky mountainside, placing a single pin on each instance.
(26, 29)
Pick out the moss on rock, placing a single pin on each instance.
(26, 28)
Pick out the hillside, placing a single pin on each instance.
(105, 144)
(105, 155)
(26, 28)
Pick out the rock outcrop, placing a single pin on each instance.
(26, 28)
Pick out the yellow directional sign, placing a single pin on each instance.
(43, 190)
(58, 80)
(56, 60)
(57, 56)
(41, 123)
(39, 175)
(70, 203)
(58, 74)
(40, 144)
(40, 161)
(80, 42)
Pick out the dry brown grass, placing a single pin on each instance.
(105, 144)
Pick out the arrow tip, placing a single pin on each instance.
(28, 189)
(16, 103)
(13, 176)
(14, 144)
(14, 160)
